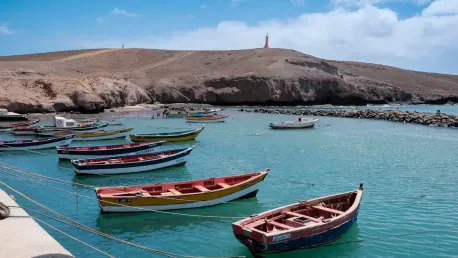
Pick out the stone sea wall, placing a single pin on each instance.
(430, 119)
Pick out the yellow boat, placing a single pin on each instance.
(102, 135)
(170, 137)
(180, 195)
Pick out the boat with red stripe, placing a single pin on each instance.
(106, 151)
(300, 225)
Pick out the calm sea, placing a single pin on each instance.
(409, 173)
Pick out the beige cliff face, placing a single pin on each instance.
(92, 80)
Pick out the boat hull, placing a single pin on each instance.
(49, 145)
(248, 192)
(294, 125)
(205, 121)
(169, 138)
(105, 137)
(91, 156)
(179, 159)
(299, 243)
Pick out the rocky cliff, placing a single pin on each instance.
(92, 80)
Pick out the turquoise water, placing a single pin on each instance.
(409, 174)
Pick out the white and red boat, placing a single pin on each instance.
(107, 151)
(7, 127)
(132, 164)
(304, 224)
(36, 144)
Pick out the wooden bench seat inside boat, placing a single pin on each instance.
(223, 185)
(328, 210)
(294, 214)
(167, 194)
(279, 224)
(201, 188)
(175, 192)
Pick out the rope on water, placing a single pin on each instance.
(72, 237)
(123, 205)
(4, 211)
(86, 228)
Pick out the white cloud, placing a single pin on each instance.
(297, 2)
(122, 12)
(368, 34)
(4, 29)
(358, 3)
(442, 7)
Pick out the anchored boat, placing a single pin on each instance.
(300, 123)
(103, 135)
(7, 127)
(179, 195)
(65, 152)
(300, 225)
(37, 144)
(170, 137)
(206, 119)
(132, 164)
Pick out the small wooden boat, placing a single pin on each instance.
(169, 137)
(300, 123)
(103, 135)
(304, 224)
(206, 119)
(14, 125)
(132, 164)
(53, 130)
(36, 144)
(180, 195)
(65, 152)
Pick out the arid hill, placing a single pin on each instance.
(92, 80)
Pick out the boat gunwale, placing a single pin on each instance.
(177, 152)
(179, 134)
(43, 141)
(294, 122)
(255, 176)
(76, 149)
(19, 124)
(351, 209)
(104, 132)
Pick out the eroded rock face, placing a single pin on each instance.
(93, 80)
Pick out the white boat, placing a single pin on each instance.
(300, 123)
(132, 163)
(52, 142)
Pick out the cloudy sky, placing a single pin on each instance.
(411, 34)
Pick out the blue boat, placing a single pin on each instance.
(300, 225)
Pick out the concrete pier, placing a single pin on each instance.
(22, 237)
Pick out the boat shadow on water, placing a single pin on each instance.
(339, 248)
(162, 175)
(141, 222)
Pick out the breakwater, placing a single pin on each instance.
(413, 117)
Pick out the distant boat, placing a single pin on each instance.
(170, 137)
(52, 130)
(300, 225)
(36, 144)
(84, 152)
(179, 195)
(300, 123)
(7, 127)
(206, 119)
(103, 135)
(133, 163)
(10, 116)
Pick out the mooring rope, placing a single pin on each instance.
(72, 237)
(86, 228)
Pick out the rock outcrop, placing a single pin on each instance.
(93, 80)
(413, 117)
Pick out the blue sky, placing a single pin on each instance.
(412, 34)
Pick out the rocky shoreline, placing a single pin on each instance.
(439, 119)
